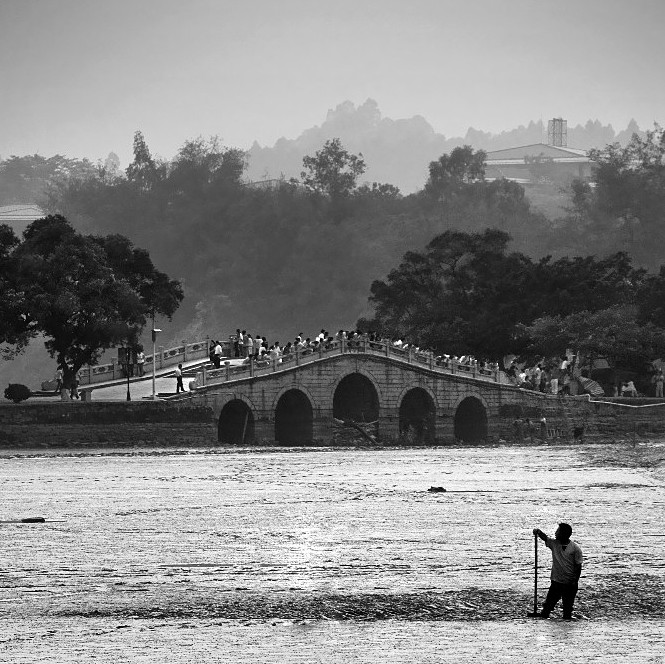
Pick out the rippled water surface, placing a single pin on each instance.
(193, 555)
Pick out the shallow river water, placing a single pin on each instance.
(328, 555)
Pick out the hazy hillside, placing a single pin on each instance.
(395, 151)
(399, 151)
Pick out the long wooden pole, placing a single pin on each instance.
(535, 574)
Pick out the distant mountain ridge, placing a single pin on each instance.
(399, 151)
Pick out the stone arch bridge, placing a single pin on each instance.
(406, 396)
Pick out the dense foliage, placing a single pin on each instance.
(613, 334)
(29, 179)
(275, 258)
(623, 210)
(85, 294)
(282, 257)
(468, 293)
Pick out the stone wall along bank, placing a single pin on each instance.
(76, 424)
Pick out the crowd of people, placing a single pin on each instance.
(555, 377)
(551, 377)
(244, 345)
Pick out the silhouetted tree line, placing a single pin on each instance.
(468, 293)
(302, 254)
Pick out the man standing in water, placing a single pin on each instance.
(566, 570)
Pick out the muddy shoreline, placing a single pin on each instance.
(632, 597)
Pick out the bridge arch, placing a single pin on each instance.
(471, 420)
(417, 417)
(294, 386)
(356, 397)
(236, 423)
(294, 418)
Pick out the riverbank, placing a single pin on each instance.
(75, 424)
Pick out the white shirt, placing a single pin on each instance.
(564, 559)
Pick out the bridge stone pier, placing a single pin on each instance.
(301, 400)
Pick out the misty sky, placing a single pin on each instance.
(78, 77)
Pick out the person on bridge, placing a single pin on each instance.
(217, 353)
(236, 343)
(140, 361)
(566, 570)
(178, 379)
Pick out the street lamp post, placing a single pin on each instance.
(155, 330)
(129, 398)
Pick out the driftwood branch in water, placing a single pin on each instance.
(353, 424)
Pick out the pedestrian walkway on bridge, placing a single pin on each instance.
(141, 387)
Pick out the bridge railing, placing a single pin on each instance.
(260, 367)
(164, 357)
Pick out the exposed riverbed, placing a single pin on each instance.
(328, 555)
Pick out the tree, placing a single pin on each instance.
(465, 294)
(29, 179)
(450, 171)
(457, 193)
(14, 329)
(652, 299)
(143, 171)
(614, 334)
(201, 164)
(157, 292)
(624, 210)
(109, 170)
(333, 172)
(468, 294)
(84, 294)
(584, 283)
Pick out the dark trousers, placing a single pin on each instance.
(560, 591)
(178, 384)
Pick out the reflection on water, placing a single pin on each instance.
(165, 523)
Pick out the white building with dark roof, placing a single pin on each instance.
(533, 163)
(19, 216)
